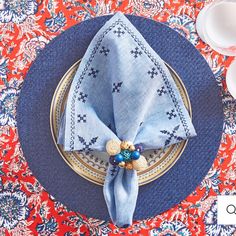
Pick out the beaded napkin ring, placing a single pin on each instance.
(126, 155)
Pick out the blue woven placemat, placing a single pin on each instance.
(74, 191)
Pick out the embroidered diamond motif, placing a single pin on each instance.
(82, 97)
(93, 72)
(87, 146)
(104, 51)
(117, 87)
(171, 135)
(171, 114)
(153, 72)
(136, 52)
(82, 118)
(161, 91)
(119, 32)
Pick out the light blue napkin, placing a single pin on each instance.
(123, 91)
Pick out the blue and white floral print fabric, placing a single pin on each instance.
(122, 90)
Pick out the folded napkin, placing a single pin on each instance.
(122, 90)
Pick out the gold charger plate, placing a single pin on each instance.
(93, 166)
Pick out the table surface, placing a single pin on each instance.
(25, 207)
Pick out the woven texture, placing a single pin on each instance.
(77, 193)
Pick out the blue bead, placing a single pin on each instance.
(112, 161)
(135, 155)
(139, 148)
(119, 158)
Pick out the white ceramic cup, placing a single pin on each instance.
(216, 26)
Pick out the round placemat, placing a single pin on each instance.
(59, 179)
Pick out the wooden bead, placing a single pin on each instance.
(122, 164)
(113, 147)
(129, 166)
(140, 164)
(125, 145)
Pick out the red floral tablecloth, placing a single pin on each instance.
(25, 207)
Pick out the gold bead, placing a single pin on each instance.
(140, 164)
(122, 164)
(113, 147)
(125, 145)
(132, 148)
(129, 166)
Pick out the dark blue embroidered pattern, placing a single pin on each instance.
(87, 146)
(136, 52)
(171, 114)
(72, 118)
(174, 100)
(116, 87)
(96, 162)
(82, 97)
(153, 72)
(161, 91)
(171, 135)
(113, 170)
(164, 75)
(104, 51)
(82, 118)
(93, 72)
(148, 53)
(119, 32)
